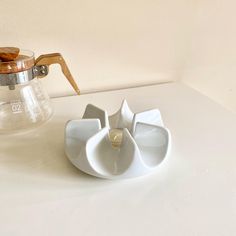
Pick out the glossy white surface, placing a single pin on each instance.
(130, 145)
(42, 193)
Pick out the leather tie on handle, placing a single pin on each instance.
(56, 58)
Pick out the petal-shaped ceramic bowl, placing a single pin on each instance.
(141, 144)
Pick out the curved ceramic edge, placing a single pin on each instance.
(115, 164)
(110, 163)
(152, 117)
(122, 118)
(77, 132)
(93, 112)
(153, 142)
(107, 161)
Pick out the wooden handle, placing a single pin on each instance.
(56, 58)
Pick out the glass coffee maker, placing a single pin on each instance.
(24, 104)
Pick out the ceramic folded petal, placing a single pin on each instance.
(93, 112)
(153, 142)
(122, 118)
(152, 117)
(110, 162)
(77, 133)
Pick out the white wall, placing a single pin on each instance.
(106, 43)
(111, 44)
(211, 61)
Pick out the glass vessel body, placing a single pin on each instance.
(23, 102)
(25, 107)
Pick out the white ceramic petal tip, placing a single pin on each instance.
(123, 145)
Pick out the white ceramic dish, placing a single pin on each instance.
(122, 145)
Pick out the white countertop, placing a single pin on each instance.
(193, 193)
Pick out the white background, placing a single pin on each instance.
(113, 44)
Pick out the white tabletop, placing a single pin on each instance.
(193, 193)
